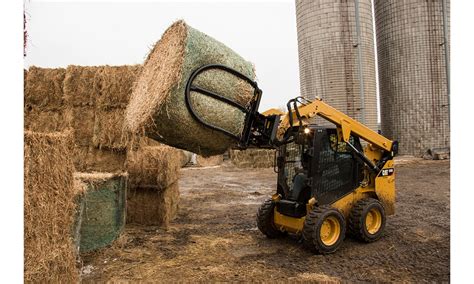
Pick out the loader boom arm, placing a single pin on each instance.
(345, 124)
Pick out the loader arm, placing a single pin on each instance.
(345, 124)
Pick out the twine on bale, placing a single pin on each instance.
(50, 208)
(157, 104)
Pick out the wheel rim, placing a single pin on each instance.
(373, 221)
(330, 231)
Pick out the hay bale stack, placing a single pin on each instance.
(104, 216)
(153, 167)
(157, 104)
(50, 208)
(209, 161)
(96, 98)
(146, 206)
(253, 158)
(114, 84)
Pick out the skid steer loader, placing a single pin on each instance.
(329, 184)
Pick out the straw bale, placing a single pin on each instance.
(44, 88)
(154, 167)
(209, 161)
(81, 85)
(82, 120)
(105, 160)
(157, 103)
(104, 215)
(253, 158)
(115, 85)
(150, 207)
(44, 120)
(49, 208)
(108, 130)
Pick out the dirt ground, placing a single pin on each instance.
(215, 237)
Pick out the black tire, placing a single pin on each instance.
(312, 229)
(357, 220)
(265, 221)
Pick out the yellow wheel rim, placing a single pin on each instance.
(373, 221)
(330, 231)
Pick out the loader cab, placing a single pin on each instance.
(315, 164)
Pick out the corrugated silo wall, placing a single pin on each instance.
(412, 73)
(331, 64)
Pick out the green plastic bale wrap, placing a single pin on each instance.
(103, 218)
(157, 105)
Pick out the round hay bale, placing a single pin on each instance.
(103, 218)
(157, 103)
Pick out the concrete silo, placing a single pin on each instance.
(336, 55)
(413, 61)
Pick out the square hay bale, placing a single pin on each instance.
(154, 167)
(81, 86)
(105, 160)
(253, 158)
(104, 215)
(209, 161)
(115, 84)
(44, 120)
(150, 207)
(90, 159)
(44, 88)
(109, 130)
(157, 102)
(50, 208)
(82, 120)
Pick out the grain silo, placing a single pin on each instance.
(336, 55)
(413, 61)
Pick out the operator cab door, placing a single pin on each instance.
(336, 172)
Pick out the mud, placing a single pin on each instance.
(215, 237)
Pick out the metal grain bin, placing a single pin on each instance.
(413, 61)
(336, 55)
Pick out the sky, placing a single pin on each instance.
(91, 33)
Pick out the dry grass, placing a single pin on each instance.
(115, 85)
(44, 88)
(157, 103)
(81, 85)
(108, 130)
(154, 167)
(50, 208)
(41, 120)
(146, 206)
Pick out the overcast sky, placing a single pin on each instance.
(85, 33)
